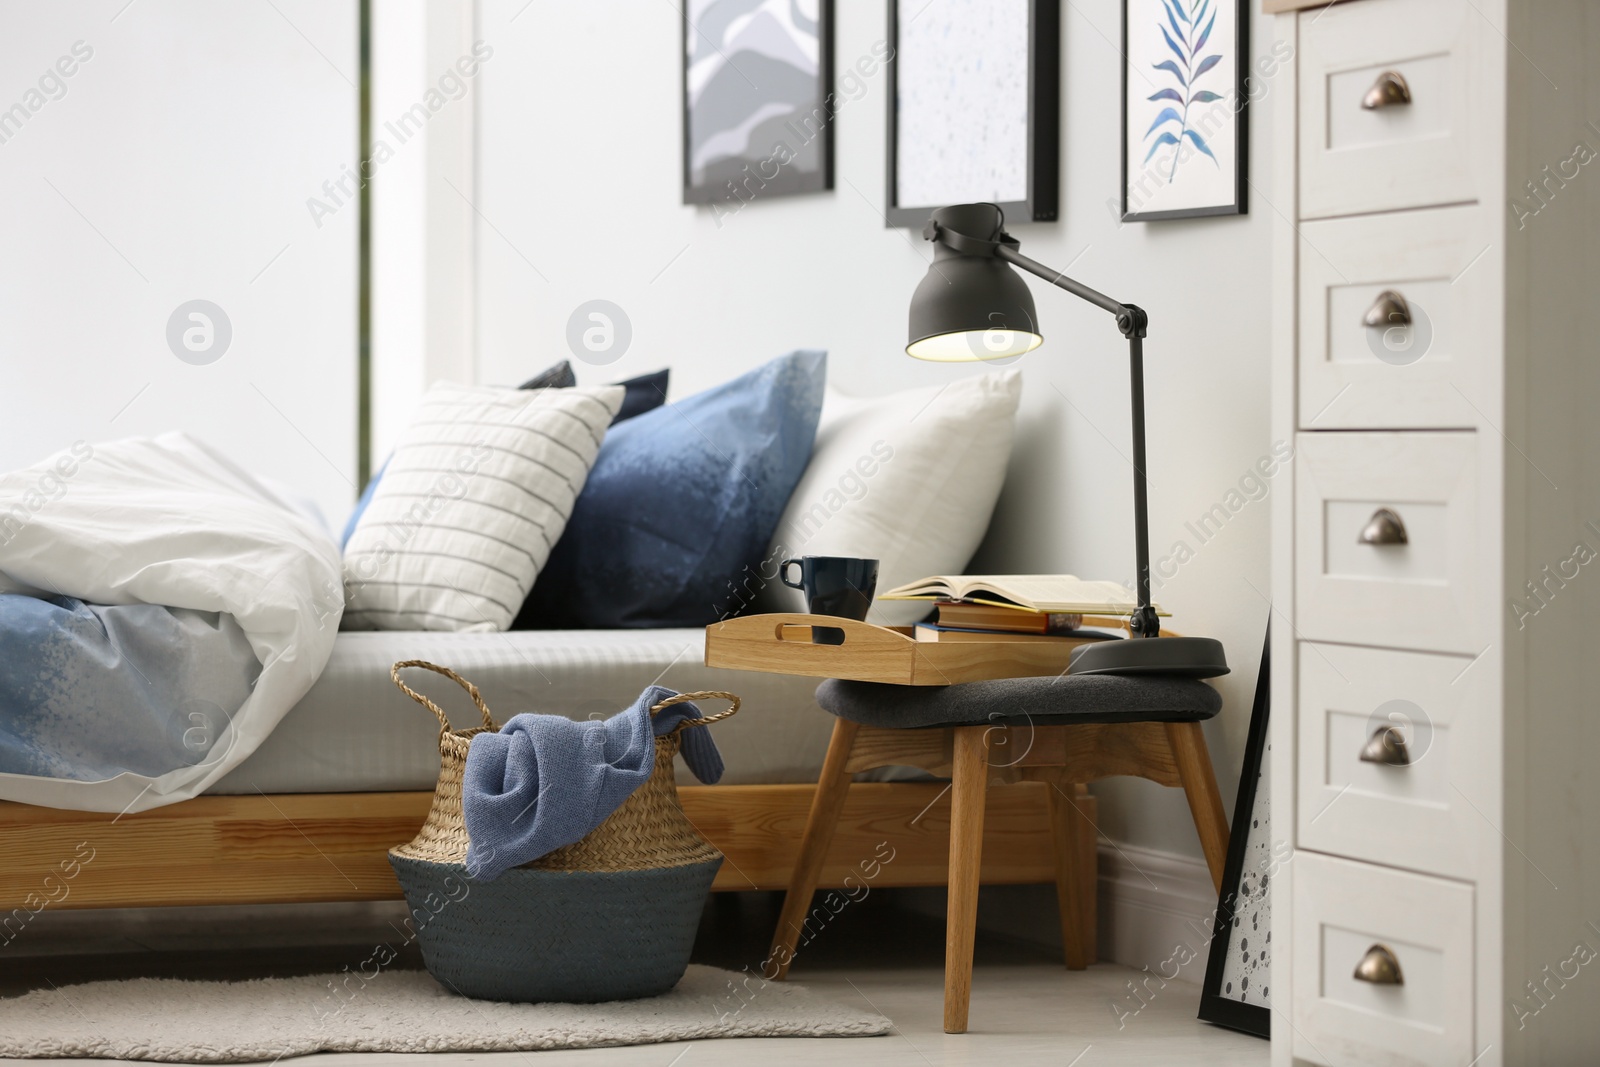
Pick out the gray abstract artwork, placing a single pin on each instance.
(756, 108)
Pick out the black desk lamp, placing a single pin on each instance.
(973, 306)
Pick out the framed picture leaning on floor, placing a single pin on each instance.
(1237, 991)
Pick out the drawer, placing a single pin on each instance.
(1424, 153)
(1343, 910)
(1419, 276)
(1409, 582)
(1408, 804)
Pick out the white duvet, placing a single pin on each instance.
(170, 521)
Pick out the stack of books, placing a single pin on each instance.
(969, 620)
(1017, 607)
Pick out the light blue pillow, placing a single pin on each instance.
(354, 520)
(681, 503)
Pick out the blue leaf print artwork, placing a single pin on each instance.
(1187, 28)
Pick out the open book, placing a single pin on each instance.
(1027, 592)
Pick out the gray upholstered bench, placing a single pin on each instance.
(1064, 731)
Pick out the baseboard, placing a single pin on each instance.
(1155, 910)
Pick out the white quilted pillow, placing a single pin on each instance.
(476, 494)
(908, 479)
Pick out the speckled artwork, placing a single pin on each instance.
(962, 119)
(1247, 966)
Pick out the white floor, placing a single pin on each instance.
(1021, 1015)
(1026, 1008)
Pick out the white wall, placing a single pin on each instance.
(176, 165)
(578, 189)
(399, 242)
(422, 225)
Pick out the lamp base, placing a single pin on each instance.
(1184, 657)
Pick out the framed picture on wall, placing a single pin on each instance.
(757, 100)
(974, 107)
(1237, 993)
(1184, 129)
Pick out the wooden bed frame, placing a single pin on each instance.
(313, 847)
(325, 847)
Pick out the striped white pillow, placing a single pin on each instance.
(476, 494)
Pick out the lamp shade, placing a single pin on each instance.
(971, 306)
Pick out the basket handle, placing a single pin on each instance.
(704, 720)
(438, 712)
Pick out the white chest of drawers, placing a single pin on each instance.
(1436, 564)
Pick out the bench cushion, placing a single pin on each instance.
(1049, 701)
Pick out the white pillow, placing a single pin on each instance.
(476, 494)
(908, 479)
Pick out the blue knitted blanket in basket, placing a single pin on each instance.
(545, 781)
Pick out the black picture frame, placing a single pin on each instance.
(719, 191)
(1215, 1006)
(1241, 69)
(1042, 202)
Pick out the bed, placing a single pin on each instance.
(348, 773)
(340, 764)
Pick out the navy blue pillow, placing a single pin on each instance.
(681, 501)
(559, 376)
(644, 393)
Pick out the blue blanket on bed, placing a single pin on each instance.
(89, 692)
(545, 781)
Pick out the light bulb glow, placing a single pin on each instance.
(969, 346)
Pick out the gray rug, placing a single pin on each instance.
(393, 1011)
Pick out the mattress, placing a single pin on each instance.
(356, 732)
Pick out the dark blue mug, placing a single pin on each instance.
(833, 585)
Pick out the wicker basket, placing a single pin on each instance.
(611, 916)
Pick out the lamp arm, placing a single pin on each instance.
(1132, 321)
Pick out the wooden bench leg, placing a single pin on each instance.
(1070, 825)
(832, 786)
(1089, 872)
(1200, 785)
(969, 772)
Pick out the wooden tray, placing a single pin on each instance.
(781, 644)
